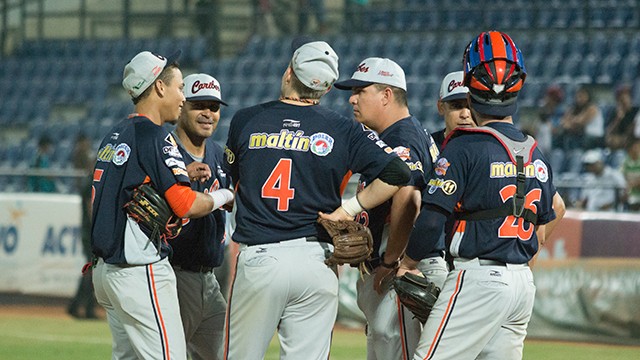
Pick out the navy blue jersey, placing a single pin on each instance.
(438, 137)
(201, 240)
(134, 152)
(475, 173)
(416, 148)
(288, 163)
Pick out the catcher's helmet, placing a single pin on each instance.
(494, 73)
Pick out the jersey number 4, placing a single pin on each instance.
(515, 227)
(278, 185)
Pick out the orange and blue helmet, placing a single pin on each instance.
(494, 73)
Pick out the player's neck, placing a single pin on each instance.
(194, 145)
(149, 112)
(294, 100)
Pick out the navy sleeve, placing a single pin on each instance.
(368, 155)
(426, 232)
(161, 159)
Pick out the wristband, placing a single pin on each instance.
(352, 206)
(220, 197)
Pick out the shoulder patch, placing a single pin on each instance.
(321, 144)
(121, 154)
(403, 153)
(541, 171)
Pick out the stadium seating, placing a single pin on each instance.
(573, 42)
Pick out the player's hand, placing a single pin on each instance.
(407, 264)
(337, 215)
(380, 277)
(198, 171)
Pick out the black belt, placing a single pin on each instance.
(487, 262)
(194, 268)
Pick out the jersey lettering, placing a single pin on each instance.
(278, 185)
(515, 227)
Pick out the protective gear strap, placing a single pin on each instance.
(517, 150)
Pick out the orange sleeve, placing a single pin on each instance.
(180, 198)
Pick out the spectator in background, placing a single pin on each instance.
(314, 8)
(42, 160)
(582, 125)
(550, 112)
(83, 161)
(603, 186)
(620, 122)
(631, 171)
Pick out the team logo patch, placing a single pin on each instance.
(170, 140)
(121, 154)
(229, 155)
(542, 173)
(403, 153)
(105, 154)
(171, 162)
(449, 187)
(442, 165)
(172, 151)
(321, 144)
(434, 184)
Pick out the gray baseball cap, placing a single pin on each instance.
(316, 65)
(141, 71)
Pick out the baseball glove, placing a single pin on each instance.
(416, 293)
(151, 210)
(352, 241)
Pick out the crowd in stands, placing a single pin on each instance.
(562, 105)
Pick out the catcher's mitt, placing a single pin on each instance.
(416, 293)
(151, 210)
(352, 241)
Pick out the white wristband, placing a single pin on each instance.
(352, 206)
(221, 197)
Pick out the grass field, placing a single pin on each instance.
(49, 334)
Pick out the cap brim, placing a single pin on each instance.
(174, 57)
(206, 98)
(458, 96)
(495, 110)
(351, 83)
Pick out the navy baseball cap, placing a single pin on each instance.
(141, 71)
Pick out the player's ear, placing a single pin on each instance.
(440, 105)
(159, 86)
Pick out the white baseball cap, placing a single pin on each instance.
(375, 70)
(198, 87)
(316, 65)
(592, 156)
(143, 70)
(452, 87)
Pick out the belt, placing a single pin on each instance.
(194, 268)
(487, 262)
(305, 239)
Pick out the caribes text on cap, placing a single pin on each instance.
(375, 70)
(202, 87)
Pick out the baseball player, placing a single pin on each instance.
(199, 247)
(379, 99)
(500, 186)
(452, 106)
(133, 279)
(288, 159)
